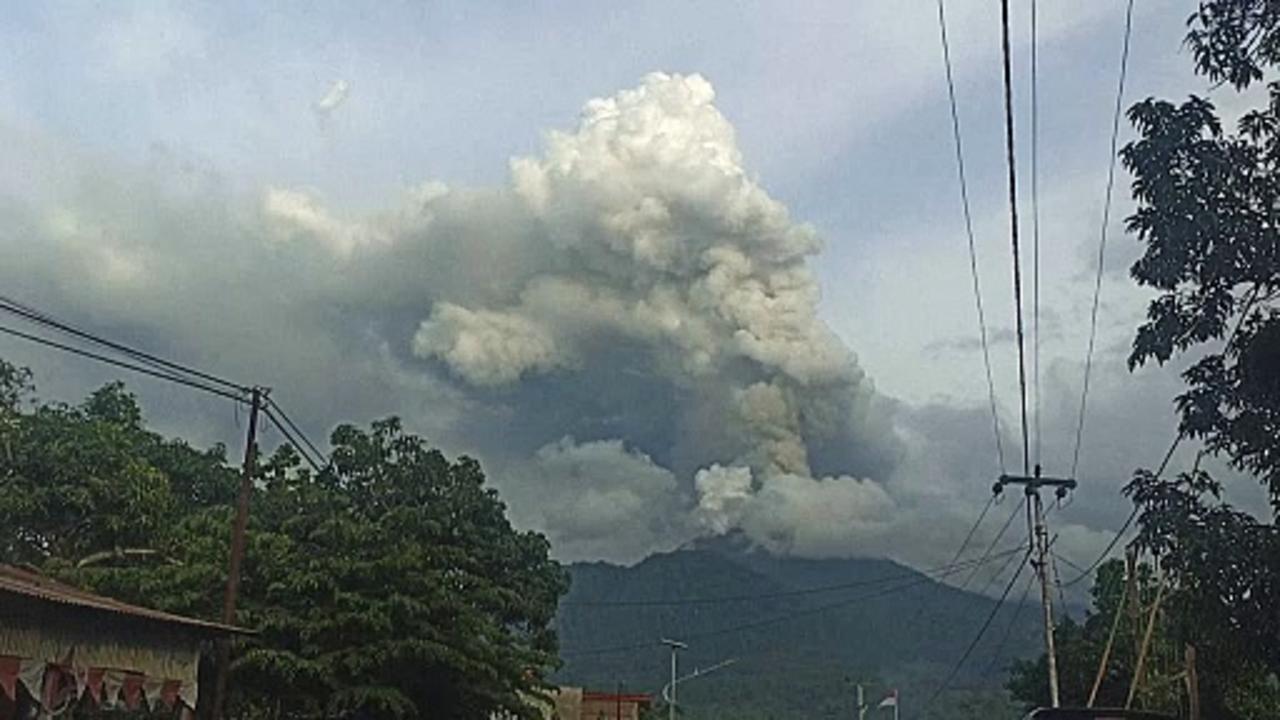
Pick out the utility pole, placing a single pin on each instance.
(862, 703)
(676, 646)
(238, 530)
(1193, 685)
(1040, 541)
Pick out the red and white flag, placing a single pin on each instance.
(890, 700)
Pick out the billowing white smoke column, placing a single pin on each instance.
(626, 334)
(662, 242)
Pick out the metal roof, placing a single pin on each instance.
(18, 581)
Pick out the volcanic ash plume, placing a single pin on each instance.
(643, 279)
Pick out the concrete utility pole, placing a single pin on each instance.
(1040, 539)
(676, 646)
(237, 549)
(862, 703)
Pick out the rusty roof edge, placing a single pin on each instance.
(42, 587)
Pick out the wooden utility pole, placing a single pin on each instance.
(238, 530)
(1130, 588)
(1040, 539)
(1193, 685)
(1145, 646)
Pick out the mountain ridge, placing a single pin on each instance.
(797, 627)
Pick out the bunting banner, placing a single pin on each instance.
(132, 690)
(9, 676)
(55, 685)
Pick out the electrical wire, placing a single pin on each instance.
(1013, 229)
(1168, 455)
(14, 307)
(955, 669)
(942, 571)
(923, 602)
(297, 430)
(1067, 561)
(1102, 241)
(996, 575)
(1057, 580)
(1013, 621)
(288, 436)
(995, 541)
(1088, 571)
(171, 377)
(744, 627)
(968, 227)
(159, 367)
(1035, 229)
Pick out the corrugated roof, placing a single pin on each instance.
(17, 581)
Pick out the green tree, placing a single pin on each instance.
(1208, 203)
(388, 585)
(1081, 646)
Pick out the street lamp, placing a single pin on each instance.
(676, 646)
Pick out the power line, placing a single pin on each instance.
(942, 571)
(1035, 227)
(1067, 561)
(32, 315)
(1168, 455)
(158, 368)
(1013, 229)
(1102, 240)
(968, 227)
(995, 541)
(923, 603)
(955, 669)
(297, 430)
(996, 575)
(1127, 523)
(744, 627)
(171, 377)
(1013, 621)
(290, 437)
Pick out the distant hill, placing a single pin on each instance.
(797, 651)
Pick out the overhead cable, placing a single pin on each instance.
(1133, 515)
(968, 227)
(16, 308)
(744, 627)
(273, 405)
(986, 624)
(995, 541)
(1013, 621)
(942, 571)
(289, 436)
(1013, 229)
(171, 377)
(1035, 229)
(1102, 239)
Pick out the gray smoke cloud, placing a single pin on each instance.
(626, 333)
(635, 261)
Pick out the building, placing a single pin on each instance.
(60, 646)
(573, 703)
(613, 706)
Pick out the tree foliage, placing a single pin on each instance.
(1208, 212)
(1081, 646)
(390, 585)
(1208, 206)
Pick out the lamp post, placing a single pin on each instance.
(676, 646)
